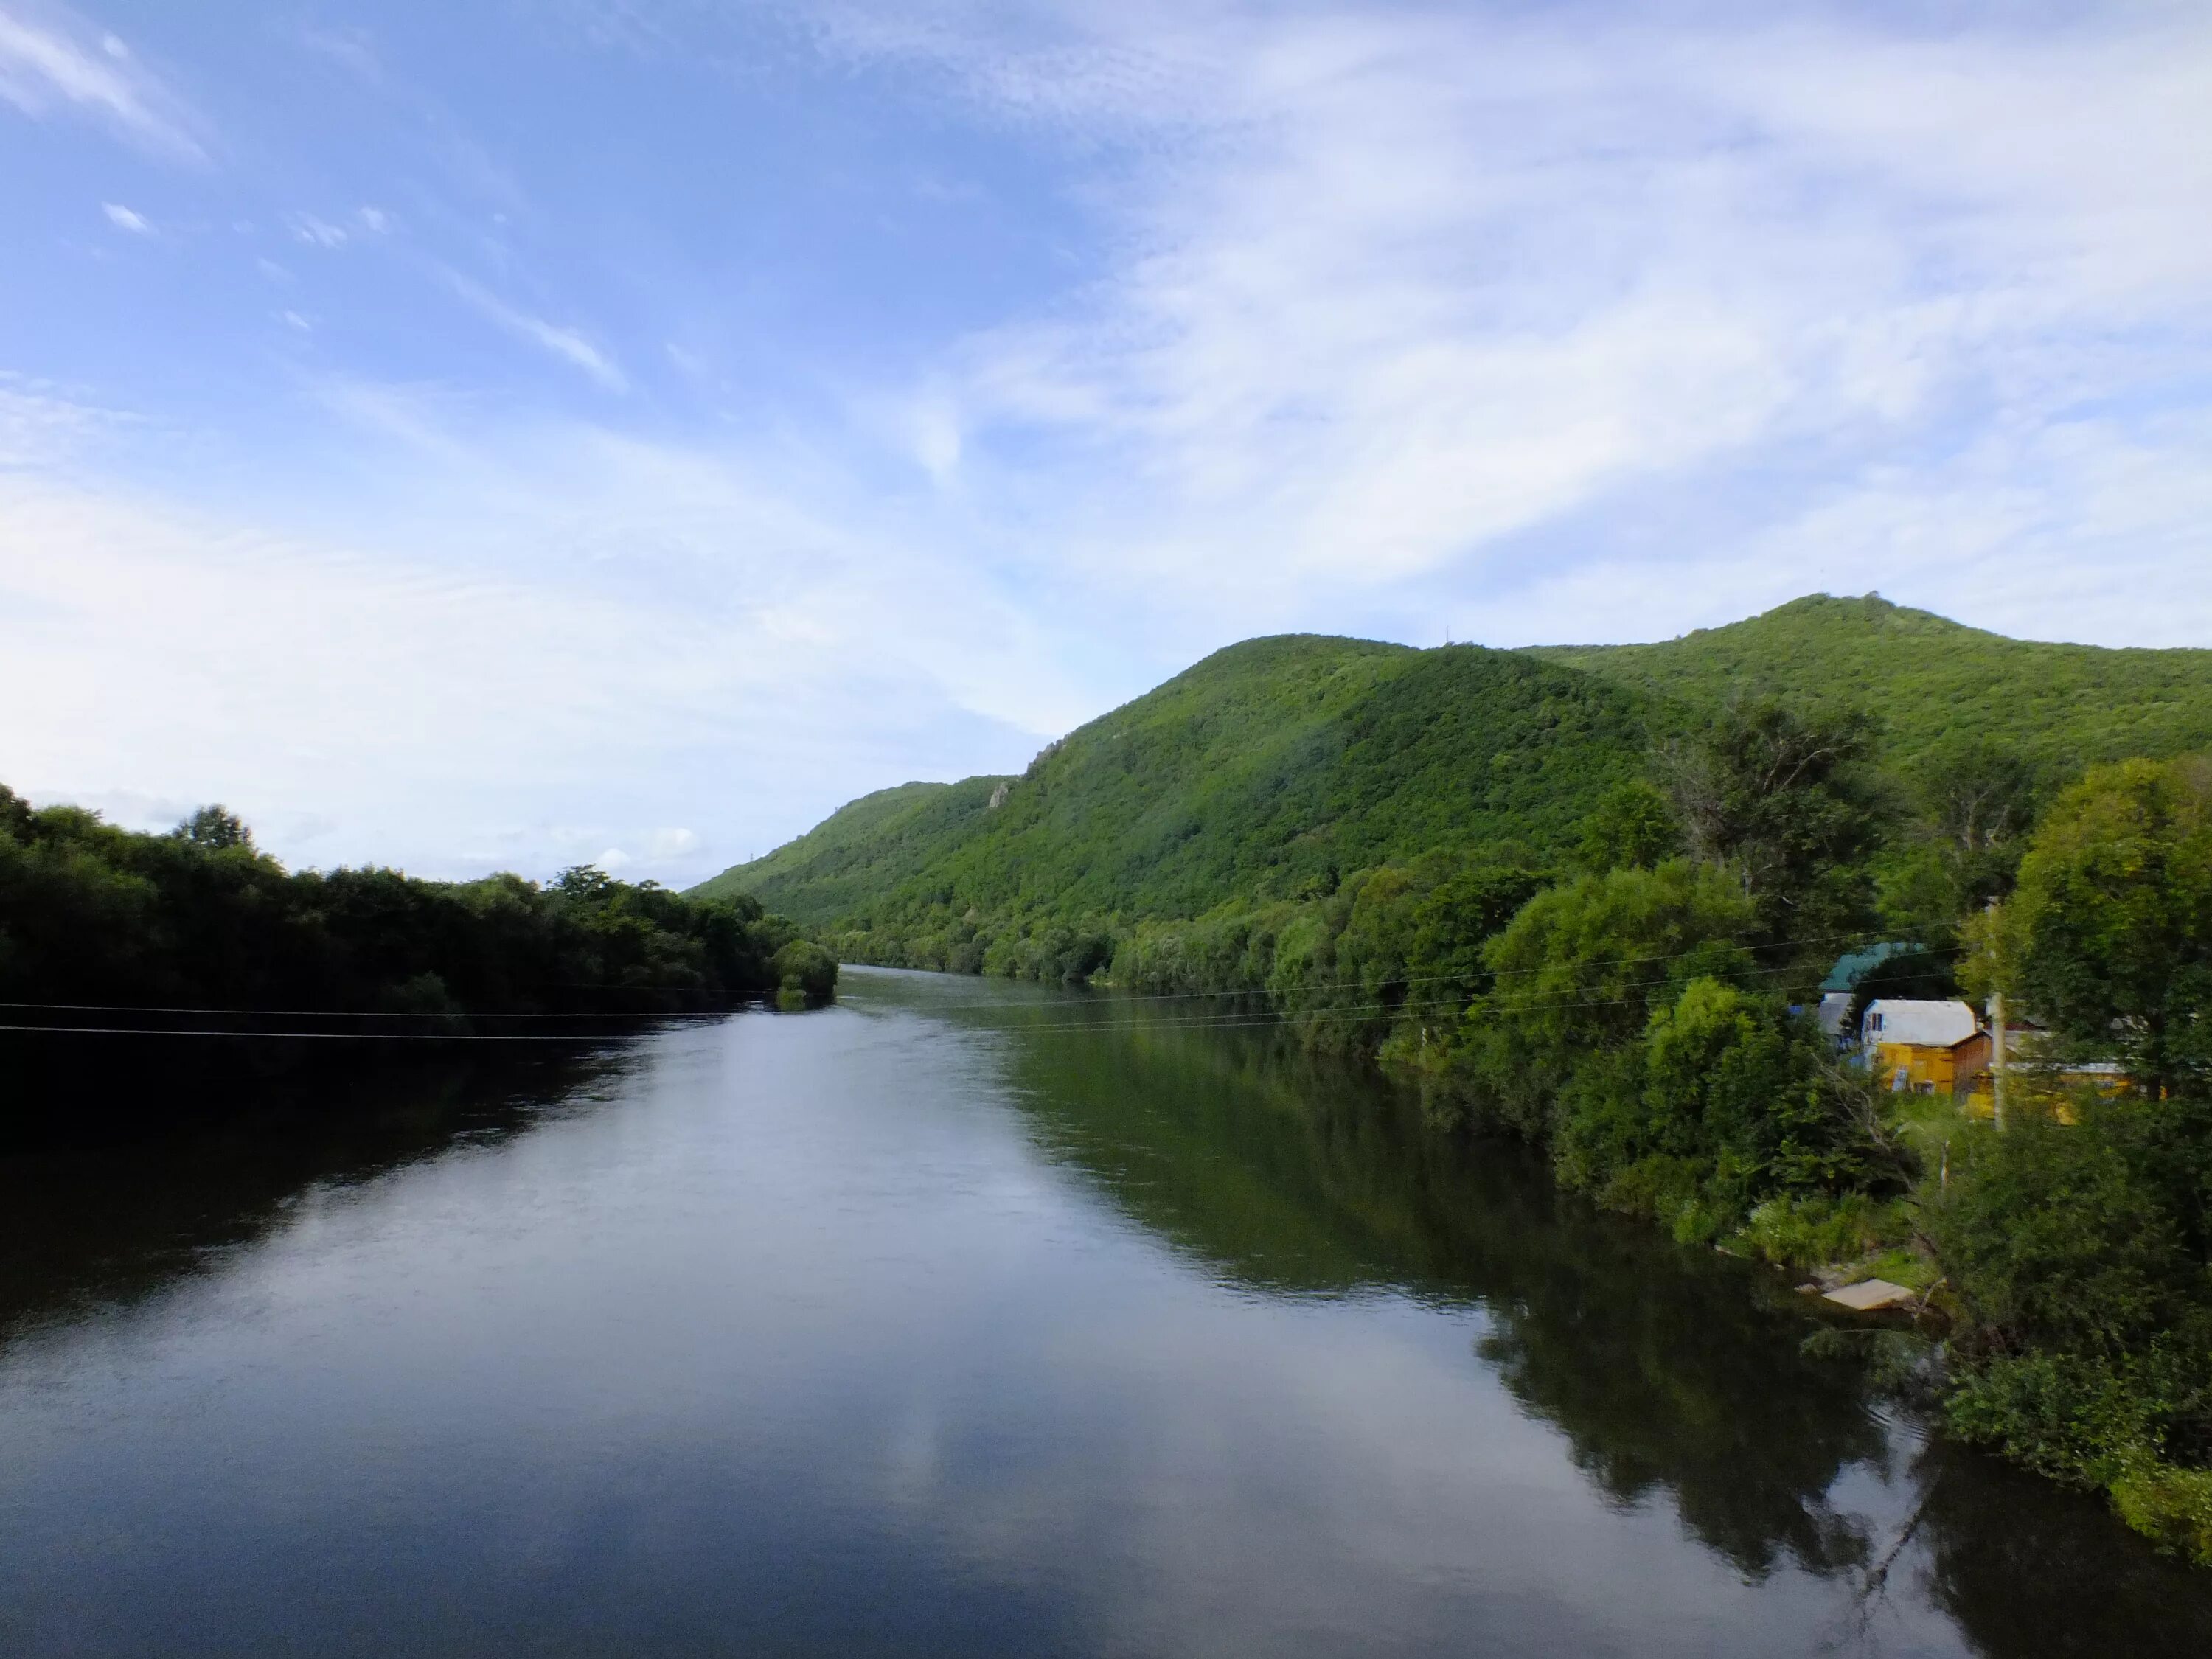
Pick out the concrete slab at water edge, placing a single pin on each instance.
(1871, 1296)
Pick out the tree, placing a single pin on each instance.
(1785, 802)
(215, 828)
(1977, 798)
(1579, 971)
(1632, 828)
(1977, 794)
(2109, 936)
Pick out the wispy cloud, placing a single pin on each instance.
(49, 428)
(1598, 320)
(350, 49)
(316, 232)
(568, 344)
(124, 218)
(50, 63)
(1392, 292)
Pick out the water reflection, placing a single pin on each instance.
(128, 1205)
(1670, 1371)
(940, 1322)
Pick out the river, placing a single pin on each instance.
(960, 1318)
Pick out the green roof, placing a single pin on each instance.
(1851, 970)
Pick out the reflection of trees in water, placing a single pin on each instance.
(2030, 1570)
(1668, 1371)
(1667, 1380)
(1663, 1367)
(118, 1221)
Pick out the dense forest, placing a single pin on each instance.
(1587, 897)
(103, 929)
(1274, 770)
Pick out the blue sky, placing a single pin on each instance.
(505, 434)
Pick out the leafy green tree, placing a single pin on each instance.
(1456, 919)
(199, 919)
(1632, 829)
(1578, 973)
(1975, 799)
(214, 829)
(1788, 805)
(2078, 1259)
(2110, 932)
(2081, 1253)
(1977, 793)
(1727, 1100)
(805, 972)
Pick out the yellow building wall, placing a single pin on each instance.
(1928, 1069)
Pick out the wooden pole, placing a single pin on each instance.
(1997, 1037)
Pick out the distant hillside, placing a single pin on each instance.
(1267, 769)
(1929, 678)
(859, 850)
(1275, 767)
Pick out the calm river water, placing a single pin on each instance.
(961, 1318)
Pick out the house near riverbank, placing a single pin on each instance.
(1839, 992)
(1937, 1048)
(1928, 1047)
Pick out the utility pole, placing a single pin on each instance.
(1997, 1036)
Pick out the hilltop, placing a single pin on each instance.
(1927, 677)
(1276, 767)
(1270, 769)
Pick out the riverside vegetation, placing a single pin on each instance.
(1583, 895)
(102, 927)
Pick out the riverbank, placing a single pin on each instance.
(969, 1316)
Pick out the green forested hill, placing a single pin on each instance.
(1277, 767)
(1926, 678)
(1269, 769)
(862, 849)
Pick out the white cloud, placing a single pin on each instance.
(1532, 324)
(568, 344)
(316, 233)
(519, 624)
(1388, 293)
(47, 66)
(124, 219)
(43, 426)
(293, 320)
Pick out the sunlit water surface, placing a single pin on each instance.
(961, 1318)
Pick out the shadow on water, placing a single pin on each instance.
(1674, 1377)
(160, 1187)
(1672, 1372)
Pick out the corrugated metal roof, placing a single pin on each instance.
(1929, 1024)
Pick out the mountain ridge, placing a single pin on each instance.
(1275, 766)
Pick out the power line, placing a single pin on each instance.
(1230, 1020)
(1117, 998)
(380, 1013)
(1284, 1017)
(310, 1036)
(1474, 974)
